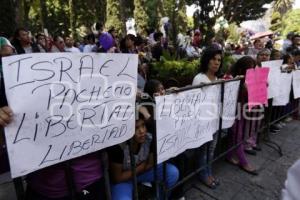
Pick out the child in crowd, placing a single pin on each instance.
(120, 163)
(237, 156)
(211, 62)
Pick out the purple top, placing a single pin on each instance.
(51, 181)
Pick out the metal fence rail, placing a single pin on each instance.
(271, 117)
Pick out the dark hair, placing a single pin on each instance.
(295, 36)
(55, 38)
(40, 35)
(139, 40)
(130, 37)
(91, 37)
(99, 25)
(207, 55)
(140, 117)
(157, 36)
(296, 52)
(242, 65)
(273, 52)
(123, 46)
(18, 30)
(151, 87)
(286, 58)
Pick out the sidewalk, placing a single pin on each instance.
(238, 185)
(235, 184)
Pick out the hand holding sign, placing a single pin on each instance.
(66, 105)
(5, 116)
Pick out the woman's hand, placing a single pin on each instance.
(6, 116)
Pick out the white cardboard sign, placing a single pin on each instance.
(231, 91)
(67, 105)
(273, 77)
(186, 120)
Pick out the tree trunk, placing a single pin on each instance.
(101, 11)
(72, 19)
(123, 15)
(26, 7)
(43, 13)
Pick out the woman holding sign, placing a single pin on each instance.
(211, 62)
(237, 157)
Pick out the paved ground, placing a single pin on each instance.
(235, 184)
(238, 185)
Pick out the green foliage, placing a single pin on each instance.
(183, 70)
(190, 22)
(140, 16)
(178, 69)
(155, 11)
(57, 17)
(234, 35)
(239, 11)
(181, 17)
(291, 22)
(113, 16)
(283, 6)
(233, 11)
(276, 23)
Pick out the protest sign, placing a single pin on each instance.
(296, 83)
(273, 77)
(67, 105)
(231, 90)
(284, 90)
(186, 120)
(256, 80)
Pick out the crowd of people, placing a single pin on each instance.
(87, 171)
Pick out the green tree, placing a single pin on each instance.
(155, 11)
(113, 16)
(140, 16)
(7, 22)
(233, 34)
(181, 17)
(282, 6)
(232, 10)
(291, 22)
(72, 19)
(276, 22)
(242, 10)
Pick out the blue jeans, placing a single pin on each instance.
(206, 155)
(123, 191)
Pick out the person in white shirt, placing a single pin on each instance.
(69, 42)
(58, 45)
(211, 62)
(91, 46)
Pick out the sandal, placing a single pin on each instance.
(232, 161)
(215, 180)
(212, 185)
(252, 172)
